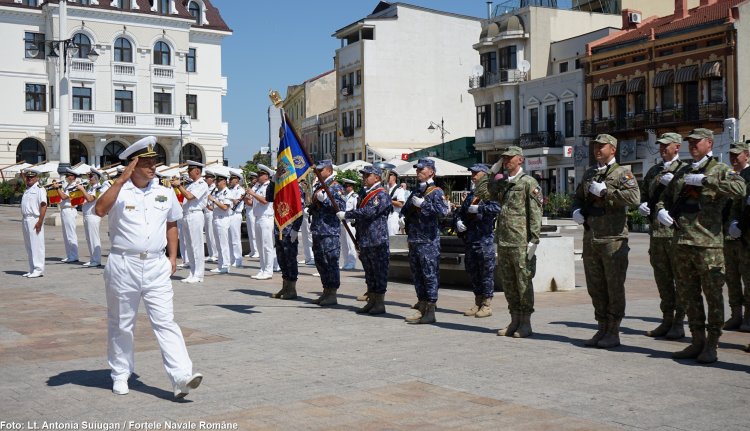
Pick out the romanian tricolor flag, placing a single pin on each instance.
(292, 164)
(76, 198)
(53, 196)
(180, 197)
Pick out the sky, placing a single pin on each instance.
(280, 43)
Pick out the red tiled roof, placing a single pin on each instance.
(719, 11)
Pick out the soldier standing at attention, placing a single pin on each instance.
(91, 221)
(208, 219)
(326, 233)
(475, 223)
(600, 205)
(33, 211)
(660, 247)
(398, 197)
(348, 250)
(68, 215)
(220, 202)
(287, 248)
(264, 224)
(196, 198)
(736, 253)
(517, 235)
(237, 194)
(420, 216)
(142, 223)
(371, 217)
(250, 216)
(693, 204)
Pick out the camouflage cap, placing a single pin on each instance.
(511, 151)
(738, 147)
(606, 139)
(701, 133)
(669, 138)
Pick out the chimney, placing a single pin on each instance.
(680, 9)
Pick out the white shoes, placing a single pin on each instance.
(92, 264)
(182, 388)
(184, 265)
(262, 276)
(66, 260)
(35, 274)
(220, 270)
(120, 387)
(236, 265)
(255, 255)
(316, 274)
(191, 280)
(26, 274)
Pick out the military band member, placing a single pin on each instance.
(195, 199)
(237, 194)
(600, 205)
(68, 216)
(660, 246)
(693, 204)
(221, 204)
(208, 219)
(736, 253)
(91, 221)
(398, 197)
(33, 211)
(250, 216)
(264, 225)
(142, 223)
(348, 250)
(420, 216)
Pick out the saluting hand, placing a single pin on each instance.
(128, 171)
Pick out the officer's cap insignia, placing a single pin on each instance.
(161, 198)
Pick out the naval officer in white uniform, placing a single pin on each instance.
(68, 216)
(263, 211)
(196, 195)
(33, 211)
(208, 219)
(91, 221)
(237, 194)
(142, 223)
(220, 203)
(348, 250)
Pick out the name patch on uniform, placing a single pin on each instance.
(628, 180)
(161, 198)
(129, 207)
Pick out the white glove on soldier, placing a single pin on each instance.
(694, 180)
(666, 179)
(597, 189)
(460, 226)
(664, 218)
(530, 251)
(341, 215)
(734, 230)
(497, 167)
(321, 195)
(578, 217)
(644, 209)
(473, 209)
(417, 201)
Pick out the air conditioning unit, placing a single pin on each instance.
(634, 17)
(346, 91)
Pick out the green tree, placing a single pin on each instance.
(351, 175)
(252, 165)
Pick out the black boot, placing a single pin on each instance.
(508, 331)
(379, 306)
(735, 319)
(695, 348)
(677, 331)
(429, 314)
(593, 341)
(370, 303)
(709, 355)
(291, 290)
(283, 290)
(612, 337)
(664, 326)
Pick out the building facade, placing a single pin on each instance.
(158, 72)
(305, 103)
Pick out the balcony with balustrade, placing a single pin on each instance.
(503, 76)
(82, 69)
(124, 73)
(126, 123)
(692, 115)
(541, 139)
(162, 75)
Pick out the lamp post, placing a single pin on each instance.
(432, 127)
(182, 123)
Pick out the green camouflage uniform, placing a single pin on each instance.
(698, 239)
(605, 237)
(518, 224)
(736, 253)
(660, 244)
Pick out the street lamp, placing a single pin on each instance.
(182, 123)
(435, 126)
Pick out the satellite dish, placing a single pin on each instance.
(524, 66)
(477, 70)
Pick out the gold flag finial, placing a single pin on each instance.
(275, 98)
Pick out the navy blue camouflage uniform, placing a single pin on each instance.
(286, 249)
(479, 240)
(423, 236)
(326, 230)
(371, 218)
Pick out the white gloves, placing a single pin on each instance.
(341, 215)
(293, 235)
(666, 179)
(321, 195)
(578, 217)
(401, 222)
(497, 167)
(597, 189)
(734, 229)
(417, 201)
(460, 226)
(694, 179)
(664, 218)
(306, 211)
(473, 209)
(530, 251)
(644, 209)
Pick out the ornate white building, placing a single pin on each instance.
(157, 72)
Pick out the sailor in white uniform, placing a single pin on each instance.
(68, 216)
(398, 197)
(91, 221)
(263, 211)
(237, 194)
(221, 204)
(195, 198)
(208, 217)
(33, 211)
(250, 217)
(348, 251)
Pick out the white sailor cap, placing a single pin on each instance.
(348, 181)
(194, 163)
(142, 148)
(71, 171)
(266, 169)
(218, 172)
(96, 172)
(31, 172)
(233, 172)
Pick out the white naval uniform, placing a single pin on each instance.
(181, 233)
(208, 221)
(264, 231)
(192, 222)
(68, 215)
(399, 195)
(250, 224)
(221, 226)
(91, 223)
(235, 226)
(137, 269)
(348, 251)
(31, 201)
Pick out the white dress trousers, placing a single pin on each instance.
(250, 224)
(264, 234)
(348, 251)
(91, 225)
(221, 235)
(34, 243)
(192, 223)
(181, 233)
(208, 226)
(306, 235)
(70, 238)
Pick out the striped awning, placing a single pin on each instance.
(712, 69)
(637, 85)
(600, 92)
(686, 74)
(617, 88)
(663, 78)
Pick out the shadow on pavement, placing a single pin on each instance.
(593, 327)
(462, 327)
(244, 309)
(14, 272)
(645, 319)
(101, 379)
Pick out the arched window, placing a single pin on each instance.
(84, 45)
(191, 152)
(195, 10)
(30, 150)
(78, 152)
(123, 50)
(111, 153)
(162, 54)
(162, 153)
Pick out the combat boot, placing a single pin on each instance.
(735, 319)
(379, 305)
(694, 349)
(322, 297)
(420, 307)
(509, 330)
(368, 306)
(429, 314)
(612, 337)
(283, 290)
(364, 297)
(677, 331)
(664, 326)
(524, 327)
(485, 310)
(477, 305)
(709, 355)
(329, 298)
(291, 290)
(745, 326)
(593, 341)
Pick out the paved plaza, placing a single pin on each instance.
(272, 364)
